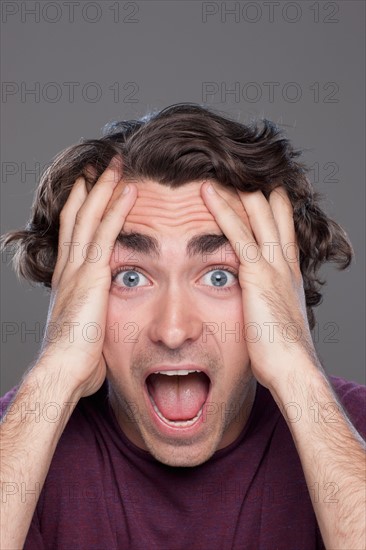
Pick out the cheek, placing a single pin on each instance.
(227, 311)
(231, 338)
(121, 327)
(236, 360)
(118, 344)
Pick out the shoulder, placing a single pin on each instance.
(352, 397)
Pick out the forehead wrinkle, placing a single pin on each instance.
(175, 201)
(167, 210)
(201, 215)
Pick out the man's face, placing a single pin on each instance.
(171, 310)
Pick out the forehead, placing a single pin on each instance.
(168, 212)
(173, 223)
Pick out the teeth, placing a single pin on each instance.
(176, 423)
(176, 372)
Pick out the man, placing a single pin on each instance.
(189, 407)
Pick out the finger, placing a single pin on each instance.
(283, 213)
(112, 223)
(90, 214)
(263, 224)
(236, 204)
(75, 200)
(239, 235)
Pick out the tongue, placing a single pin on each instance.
(178, 397)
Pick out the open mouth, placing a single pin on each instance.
(178, 396)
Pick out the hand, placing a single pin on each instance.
(75, 330)
(276, 328)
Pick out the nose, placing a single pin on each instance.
(175, 319)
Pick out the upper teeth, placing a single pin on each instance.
(175, 372)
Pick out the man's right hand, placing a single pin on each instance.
(71, 364)
(76, 323)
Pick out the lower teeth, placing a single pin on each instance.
(176, 423)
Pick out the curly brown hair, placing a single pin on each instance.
(181, 143)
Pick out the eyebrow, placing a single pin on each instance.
(203, 243)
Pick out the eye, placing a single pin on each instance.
(128, 279)
(220, 277)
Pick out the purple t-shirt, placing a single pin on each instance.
(102, 492)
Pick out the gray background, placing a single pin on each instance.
(298, 63)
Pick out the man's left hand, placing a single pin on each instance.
(276, 327)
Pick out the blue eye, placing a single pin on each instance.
(219, 277)
(128, 279)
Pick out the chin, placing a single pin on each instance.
(182, 456)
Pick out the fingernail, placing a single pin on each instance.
(210, 189)
(126, 190)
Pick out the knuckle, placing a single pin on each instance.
(110, 214)
(85, 215)
(79, 218)
(64, 214)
